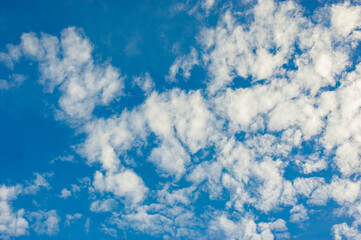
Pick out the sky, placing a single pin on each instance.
(198, 119)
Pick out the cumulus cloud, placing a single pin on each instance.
(280, 108)
(66, 63)
(15, 223)
(345, 18)
(65, 193)
(145, 82)
(298, 214)
(161, 220)
(34, 186)
(45, 222)
(183, 65)
(246, 228)
(12, 223)
(342, 231)
(285, 65)
(124, 184)
(10, 57)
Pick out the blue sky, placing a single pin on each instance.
(201, 119)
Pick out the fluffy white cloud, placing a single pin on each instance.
(342, 231)
(345, 18)
(67, 63)
(35, 185)
(125, 184)
(108, 138)
(298, 214)
(162, 221)
(65, 193)
(45, 222)
(145, 82)
(170, 157)
(183, 196)
(305, 98)
(11, 57)
(258, 50)
(245, 228)
(313, 163)
(183, 65)
(12, 223)
(296, 109)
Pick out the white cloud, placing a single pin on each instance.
(106, 139)
(106, 205)
(162, 221)
(247, 50)
(344, 190)
(11, 57)
(4, 84)
(124, 184)
(170, 157)
(72, 218)
(245, 228)
(306, 186)
(183, 65)
(12, 223)
(312, 164)
(180, 196)
(87, 225)
(109, 231)
(211, 172)
(345, 18)
(312, 103)
(67, 63)
(180, 121)
(145, 82)
(298, 214)
(35, 185)
(301, 97)
(187, 114)
(208, 4)
(342, 231)
(65, 193)
(69, 158)
(269, 172)
(15, 80)
(45, 222)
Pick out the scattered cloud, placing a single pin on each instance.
(182, 66)
(65, 193)
(103, 205)
(70, 219)
(67, 64)
(12, 223)
(281, 108)
(45, 222)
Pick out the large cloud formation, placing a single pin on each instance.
(276, 129)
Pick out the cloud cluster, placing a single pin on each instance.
(300, 92)
(281, 107)
(12, 223)
(66, 63)
(15, 223)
